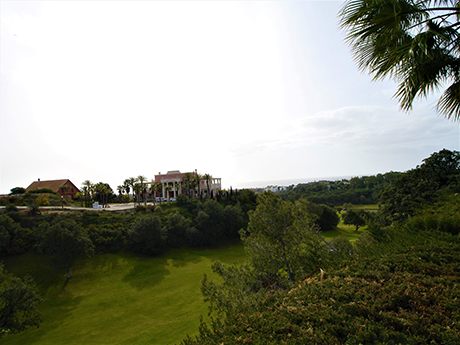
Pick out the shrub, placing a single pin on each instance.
(147, 235)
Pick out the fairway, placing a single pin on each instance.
(121, 298)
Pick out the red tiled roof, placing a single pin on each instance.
(52, 184)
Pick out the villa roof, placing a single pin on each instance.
(51, 184)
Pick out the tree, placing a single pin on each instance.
(147, 235)
(277, 235)
(65, 242)
(87, 189)
(126, 186)
(413, 42)
(17, 190)
(131, 182)
(152, 190)
(137, 189)
(281, 245)
(120, 190)
(356, 218)
(324, 216)
(141, 179)
(159, 189)
(198, 178)
(406, 193)
(188, 178)
(19, 300)
(208, 178)
(176, 228)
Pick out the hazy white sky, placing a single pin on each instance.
(249, 91)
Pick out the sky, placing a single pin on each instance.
(253, 92)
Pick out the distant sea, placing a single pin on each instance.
(287, 182)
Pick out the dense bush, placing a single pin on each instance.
(147, 235)
(409, 295)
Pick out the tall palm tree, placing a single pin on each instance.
(152, 190)
(188, 176)
(159, 189)
(415, 43)
(132, 181)
(120, 190)
(87, 187)
(141, 179)
(208, 178)
(126, 187)
(198, 178)
(138, 190)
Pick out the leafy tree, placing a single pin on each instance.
(17, 190)
(281, 245)
(65, 242)
(357, 218)
(19, 300)
(419, 186)
(413, 42)
(324, 216)
(176, 228)
(277, 235)
(147, 235)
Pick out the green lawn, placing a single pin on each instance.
(121, 298)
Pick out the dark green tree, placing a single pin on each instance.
(421, 185)
(176, 228)
(413, 42)
(281, 245)
(65, 242)
(17, 190)
(147, 235)
(358, 218)
(324, 216)
(19, 300)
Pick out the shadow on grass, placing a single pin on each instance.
(58, 304)
(146, 272)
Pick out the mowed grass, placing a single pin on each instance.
(349, 231)
(121, 298)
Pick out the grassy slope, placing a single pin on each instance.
(121, 298)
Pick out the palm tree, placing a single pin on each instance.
(187, 178)
(177, 186)
(126, 187)
(192, 184)
(207, 178)
(198, 178)
(120, 189)
(141, 180)
(415, 43)
(132, 182)
(152, 190)
(138, 188)
(159, 189)
(87, 187)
